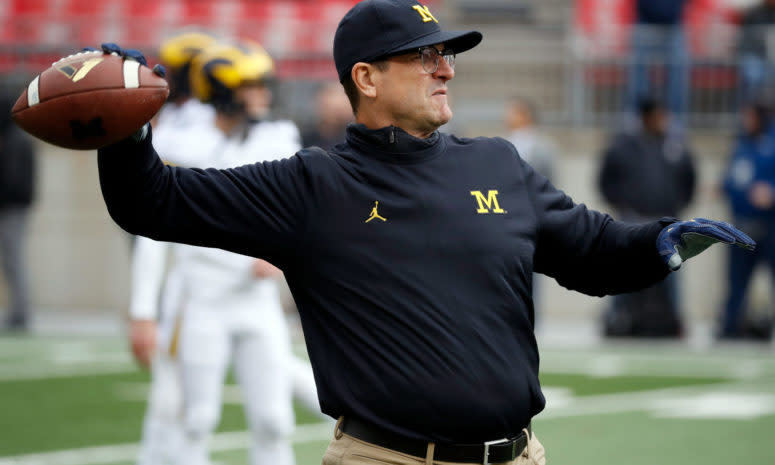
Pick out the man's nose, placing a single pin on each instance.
(444, 71)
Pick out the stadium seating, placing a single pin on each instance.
(32, 31)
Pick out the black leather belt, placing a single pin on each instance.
(498, 451)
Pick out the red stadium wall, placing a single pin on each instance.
(297, 32)
(604, 24)
(603, 34)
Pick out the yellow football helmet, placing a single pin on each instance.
(176, 53)
(221, 68)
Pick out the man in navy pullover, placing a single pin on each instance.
(409, 252)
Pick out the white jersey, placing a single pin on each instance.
(177, 137)
(220, 284)
(219, 311)
(163, 436)
(228, 317)
(175, 126)
(211, 279)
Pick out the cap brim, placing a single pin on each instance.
(458, 41)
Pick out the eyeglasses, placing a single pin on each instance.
(430, 58)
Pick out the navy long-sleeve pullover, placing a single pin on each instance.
(410, 261)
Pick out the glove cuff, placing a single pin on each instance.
(141, 133)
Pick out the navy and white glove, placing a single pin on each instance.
(135, 55)
(683, 240)
(128, 54)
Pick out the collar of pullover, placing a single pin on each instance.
(393, 144)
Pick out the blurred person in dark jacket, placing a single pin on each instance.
(756, 31)
(17, 189)
(659, 38)
(749, 184)
(647, 174)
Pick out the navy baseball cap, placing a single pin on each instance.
(375, 29)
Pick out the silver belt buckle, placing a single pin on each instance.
(487, 444)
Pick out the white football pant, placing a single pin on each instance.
(261, 362)
(162, 435)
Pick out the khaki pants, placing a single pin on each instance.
(347, 450)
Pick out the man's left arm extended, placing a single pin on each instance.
(588, 251)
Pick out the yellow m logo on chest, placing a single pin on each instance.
(487, 204)
(425, 13)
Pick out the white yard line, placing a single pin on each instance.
(38, 372)
(128, 452)
(565, 406)
(38, 358)
(657, 362)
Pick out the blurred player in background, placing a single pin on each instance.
(182, 112)
(258, 101)
(231, 304)
(154, 319)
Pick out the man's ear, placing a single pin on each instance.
(365, 76)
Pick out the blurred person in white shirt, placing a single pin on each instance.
(229, 305)
(520, 119)
(155, 295)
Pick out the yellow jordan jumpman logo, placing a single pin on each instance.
(374, 213)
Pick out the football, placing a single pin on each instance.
(89, 100)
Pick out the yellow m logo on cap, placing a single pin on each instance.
(425, 13)
(487, 204)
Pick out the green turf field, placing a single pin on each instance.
(80, 400)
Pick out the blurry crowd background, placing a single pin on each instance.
(682, 88)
